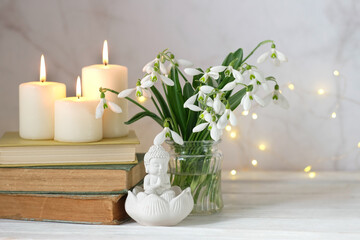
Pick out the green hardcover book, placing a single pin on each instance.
(15, 151)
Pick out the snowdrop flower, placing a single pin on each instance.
(182, 63)
(227, 116)
(106, 104)
(166, 133)
(277, 98)
(218, 106)
(276, 56)
(140, 90)
(238, 79)
(156, 63)
(212, 72)
(215, 132)
(247, 99)
(256, 78)
(154, 75)
(201, 95)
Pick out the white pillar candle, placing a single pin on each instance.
(36, 106)
(75, 119)
(108, 76)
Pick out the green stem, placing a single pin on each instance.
(157, 107)
(129, 99)
(259, 45)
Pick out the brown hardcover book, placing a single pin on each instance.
(91, 209)
(81, 179)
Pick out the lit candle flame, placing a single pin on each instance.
(78, 87)
(42, 69)
(105, 53)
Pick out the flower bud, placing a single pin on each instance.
(102, 95)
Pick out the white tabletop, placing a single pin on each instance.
(258, 205)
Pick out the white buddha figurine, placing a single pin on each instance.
(158, 203)
(156, 165)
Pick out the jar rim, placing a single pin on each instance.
(171, 142)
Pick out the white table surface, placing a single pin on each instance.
(258, 205)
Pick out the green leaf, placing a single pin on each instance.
(161, 101)
(228, 59)
(196, 78)
(235, 99)
(140, 115)
(188, 91)
(176, 101)
(238, 56)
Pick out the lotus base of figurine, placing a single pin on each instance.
(167, 209)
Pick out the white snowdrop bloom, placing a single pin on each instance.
(218, 106)
(277, 98)
(106, 104)
(257, 78)
(276, 56)
(215, 132)
(248, 98)
(201, 96)
(155, 63)
(167, 133)
(205, 115)
(141, 90)
(235, 73)
(227, 116)
(212, 72)
(239, 78)
(183, 63)
(155, 76)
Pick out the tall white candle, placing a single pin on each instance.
(108, 76)
(36, 106)
(75, 119)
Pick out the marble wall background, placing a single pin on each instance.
(317, 36)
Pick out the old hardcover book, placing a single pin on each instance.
(91, 209)
(76, 179)
(15, 151)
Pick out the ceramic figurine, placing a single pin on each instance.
(158, 203)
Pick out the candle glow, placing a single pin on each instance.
(78, 87)
(42, 69)
(105, 53)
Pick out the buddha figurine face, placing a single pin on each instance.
(157, 166)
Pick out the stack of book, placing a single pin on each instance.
(71, 182)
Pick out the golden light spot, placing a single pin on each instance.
(312, 174)
(336, 73)
(233, 172)
(307, 169)
(291, 86)
(141, 99)
(245, 113)
(233, 134)
(254, 162)
(321, 91)
(358, 144)
(262, 147)
(333, 115)
(254, 116)
(228, 128)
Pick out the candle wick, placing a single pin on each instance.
(105, 64)
(78, 97)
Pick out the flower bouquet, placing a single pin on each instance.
(194, 113)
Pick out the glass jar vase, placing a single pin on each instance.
(197, 164)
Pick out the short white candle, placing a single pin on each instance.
(75, 119)
(108, 76)
(36, 106)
